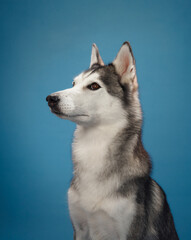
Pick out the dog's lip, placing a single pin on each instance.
(67, 115)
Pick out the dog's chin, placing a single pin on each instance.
(71, 117)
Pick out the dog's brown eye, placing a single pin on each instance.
(94, 86)
(73, 84)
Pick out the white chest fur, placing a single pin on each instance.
(110, 221)
(93, 204)
(90, 149)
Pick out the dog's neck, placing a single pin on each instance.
(99, 133)
(101, 150)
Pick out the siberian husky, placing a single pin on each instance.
(112, 196)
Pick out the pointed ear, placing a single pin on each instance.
(125, 65)
(95, 57)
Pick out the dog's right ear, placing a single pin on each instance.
(95, 57)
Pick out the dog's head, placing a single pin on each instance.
(101, 94)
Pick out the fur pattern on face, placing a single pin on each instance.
(86, 107)
(112, 196)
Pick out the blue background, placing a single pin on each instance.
(44, 44)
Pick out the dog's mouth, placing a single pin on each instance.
(59, 114)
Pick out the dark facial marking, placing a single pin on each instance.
(95, 67)
(112, 81)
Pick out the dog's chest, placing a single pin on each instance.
(90, 154)
(95, 197)
(113, 215)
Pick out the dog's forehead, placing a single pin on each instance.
(87, 76)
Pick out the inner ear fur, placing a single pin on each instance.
(125, 66)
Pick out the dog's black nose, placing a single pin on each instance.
(52, 100)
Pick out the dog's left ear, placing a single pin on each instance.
(95, 57)
(125, 66)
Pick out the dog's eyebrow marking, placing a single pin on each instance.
(93, 69)
(87, 74)
(84, 75)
